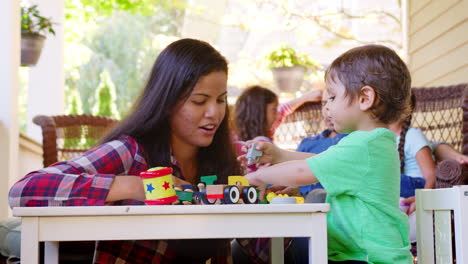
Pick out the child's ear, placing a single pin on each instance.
(367, 97)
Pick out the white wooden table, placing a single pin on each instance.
(53, 224)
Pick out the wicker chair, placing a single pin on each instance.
(441, 112)
(68, 136)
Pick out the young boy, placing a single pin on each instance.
(318, 144)
(368, 88)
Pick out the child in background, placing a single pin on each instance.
(368, 88)
(257, 113)
(416, 162)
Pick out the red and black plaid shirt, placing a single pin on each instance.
(86, 180)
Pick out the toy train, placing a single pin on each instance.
(236, 191)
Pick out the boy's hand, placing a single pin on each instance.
(270, 152)
(253, 180)
(178, 182)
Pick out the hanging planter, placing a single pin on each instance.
(289, 79)
(289, 68)
(33, 30)
(31, 47)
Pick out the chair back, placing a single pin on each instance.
(442, 225)
(304, 122)
(67, 136)
(441, 112)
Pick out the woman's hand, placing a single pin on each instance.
(126, 187)
(178, 182)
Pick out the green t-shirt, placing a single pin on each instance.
(362, 178)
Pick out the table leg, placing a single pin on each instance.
(318, 248)
(51, 252)
(277, 250)
(30, 240)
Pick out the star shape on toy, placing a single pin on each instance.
(166, 185)
(149, 188)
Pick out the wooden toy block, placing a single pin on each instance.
(184, 195)
(208, 180)
(238, 180)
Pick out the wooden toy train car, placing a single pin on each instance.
(237, 189)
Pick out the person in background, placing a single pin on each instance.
(368, 88)
(181, 121)
(444, 151)
(417, 165)
(258, 113)
(416, 161)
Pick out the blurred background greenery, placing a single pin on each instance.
(110, 45)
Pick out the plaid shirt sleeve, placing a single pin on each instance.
(283, 111)
(82, 181)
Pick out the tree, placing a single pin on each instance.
(105, 97)
(122, 36)
(333, 21)
(74, 105)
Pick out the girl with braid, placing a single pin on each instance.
(416, 161)
(417, 165)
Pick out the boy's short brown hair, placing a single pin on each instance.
(380, 68)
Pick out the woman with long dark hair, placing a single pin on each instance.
(180, 121)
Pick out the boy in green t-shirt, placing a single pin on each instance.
(368, 87)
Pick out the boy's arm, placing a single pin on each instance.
(291, 173)
(272, 154)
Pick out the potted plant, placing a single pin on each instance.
(289, 68)
(34, 27)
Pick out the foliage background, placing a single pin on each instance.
(120, 37)
(123, 37)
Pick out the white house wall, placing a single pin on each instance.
(9, 87)
(47, 78)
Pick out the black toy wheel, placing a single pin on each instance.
(249, 195)
(231, 195)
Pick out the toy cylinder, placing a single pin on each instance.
(158, 186)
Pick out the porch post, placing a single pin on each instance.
(9, 87)
(47, 78)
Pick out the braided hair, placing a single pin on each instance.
(404, 129)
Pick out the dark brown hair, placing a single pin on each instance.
(380, 68)
(404, 129)
(250, 112)
(172, 79)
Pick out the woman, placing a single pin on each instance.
(180, 120)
